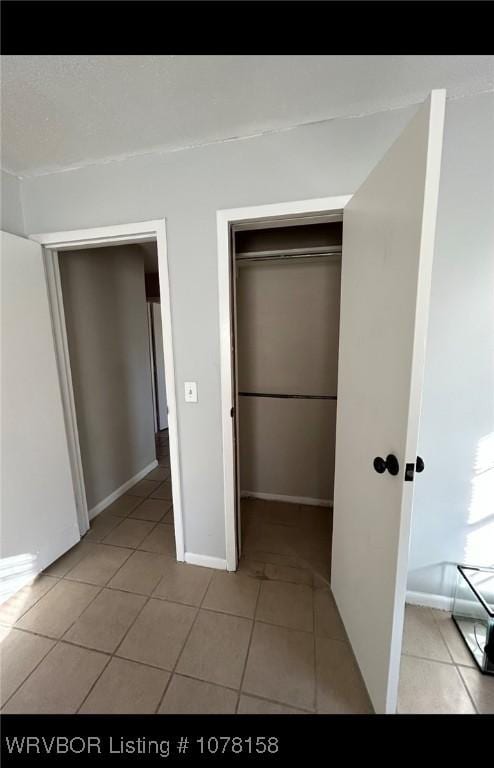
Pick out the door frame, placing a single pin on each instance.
(259, 215)
(52, 243)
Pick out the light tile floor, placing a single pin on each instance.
(118, 626)
(438, 674)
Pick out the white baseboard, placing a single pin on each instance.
(290, 499)
(206, 560)
(120, 491)
(429, 600)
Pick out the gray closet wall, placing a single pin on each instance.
(287, 343)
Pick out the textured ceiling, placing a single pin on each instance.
(63, 111)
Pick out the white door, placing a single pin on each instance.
(39, 519)
(388, 241)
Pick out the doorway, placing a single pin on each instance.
(298, 222)
(286, 321)
(151, 236)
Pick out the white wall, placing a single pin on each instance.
(106, 319)
(330, 158)
(38, 515)
(454, 497)
(159, 359)
(11, 206)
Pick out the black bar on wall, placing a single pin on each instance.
(288, 397)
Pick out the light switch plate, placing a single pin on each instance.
(191, 392)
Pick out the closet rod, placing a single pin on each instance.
(288, 397)
(286, 255)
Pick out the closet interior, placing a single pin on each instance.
(287, 304)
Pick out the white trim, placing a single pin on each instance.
(224, 219)
(289, 499)
(429, 600)
(69, 239)
(170, 386)
(120, 491)
(206, 561)
(292, 208)
(86, 238)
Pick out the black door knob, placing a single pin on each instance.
(419, 466)
(379, 465)
(391, 464)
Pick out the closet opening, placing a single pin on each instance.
(286, 280)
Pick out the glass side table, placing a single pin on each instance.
(473, 613)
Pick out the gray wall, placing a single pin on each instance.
(11, 206)
(287, 334)
(330, 158)
(107, 329)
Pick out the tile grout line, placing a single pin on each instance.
(453, 662)
(447, 664)
(434, 661)
(115, 650)
(110, 656)
(234, 690)
(56, 579)
(56, 640)
(107, 585)
(113, 653)
(179, 656)
(467, 689)
(240, 688)
(437, 626)
(122, 517)
(60, 639)
(144, 498)
(90, 583)
(207, 610)
(30, 673)
(316, 698)
(444, 639)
